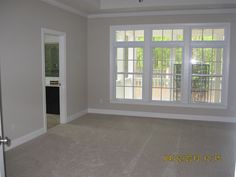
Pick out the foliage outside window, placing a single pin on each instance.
(160, 64)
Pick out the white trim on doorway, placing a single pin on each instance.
(62, 68)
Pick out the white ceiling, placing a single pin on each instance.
(109, 6)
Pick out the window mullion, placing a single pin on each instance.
(147, 66)
(186, 69)
(113, 73)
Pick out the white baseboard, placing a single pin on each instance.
(163, 115)
(77, 115)
(35, 134)
(25, 138)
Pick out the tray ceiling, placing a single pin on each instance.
(116, 6)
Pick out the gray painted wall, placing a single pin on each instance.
(98, 63)
(20, 52)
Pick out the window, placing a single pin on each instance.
(129, 76)
(166, 74)
(182, 65)
(208, 58)
(129, 64)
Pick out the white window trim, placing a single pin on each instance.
(187, 45)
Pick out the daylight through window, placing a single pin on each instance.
(170, 64)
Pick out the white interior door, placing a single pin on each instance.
(2, 164)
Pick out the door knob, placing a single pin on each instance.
(5, 141)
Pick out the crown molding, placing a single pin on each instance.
(137, 14)
(65, 7)
(172, 12)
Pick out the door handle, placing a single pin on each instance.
(5, 141)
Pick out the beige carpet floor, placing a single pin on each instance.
(116, 146)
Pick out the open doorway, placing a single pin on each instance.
(52, 80)
(54, 77)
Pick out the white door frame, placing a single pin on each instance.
(62, 74)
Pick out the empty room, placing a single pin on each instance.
(118, 88)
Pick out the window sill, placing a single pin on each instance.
(163, 103)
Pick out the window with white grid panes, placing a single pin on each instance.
(129, 64)
(179, 64)
(166, 74)
(207, 64)
(129, 76)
